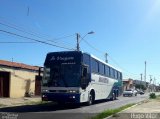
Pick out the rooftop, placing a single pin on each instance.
(18, 65)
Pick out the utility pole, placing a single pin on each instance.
(78, 39)
(78, 49)
(150, 86)
(155, 81)
(145, 74)
(106, 56)
(154, 84)
(13, 67)
(141, 82)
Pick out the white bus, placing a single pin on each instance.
(77, 77)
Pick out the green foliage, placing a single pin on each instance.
(140, 86)
(152, 96)
(111, 112)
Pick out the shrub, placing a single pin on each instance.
(152, 96)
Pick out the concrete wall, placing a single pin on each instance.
(21, 80)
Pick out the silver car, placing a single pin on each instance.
(130, 92)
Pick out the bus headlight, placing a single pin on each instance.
(45, 91)
(73, 91)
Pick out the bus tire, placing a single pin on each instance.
(91, 98)
(113, 97)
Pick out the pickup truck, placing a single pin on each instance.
(130, 92)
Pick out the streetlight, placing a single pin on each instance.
(78, 36)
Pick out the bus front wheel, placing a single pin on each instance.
(113, 96)
(90, 98)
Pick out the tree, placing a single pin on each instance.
(140, 86)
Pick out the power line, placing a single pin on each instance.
(34, 39)
(101, 52)
(16, 42)
(64, 37)
(24, 31)
(33, 34)
(93, 47)
(12, 25)
(121, 66)
(21, 29)
(57, 39)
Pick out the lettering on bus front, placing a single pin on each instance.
(103, 79)
(59, 58)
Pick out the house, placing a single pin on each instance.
(128, 84)
(18, 79)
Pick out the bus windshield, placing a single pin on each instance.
(64, 75)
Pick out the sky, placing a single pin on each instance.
(127, 30)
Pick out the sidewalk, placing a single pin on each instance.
(8, 102)
(149, 109)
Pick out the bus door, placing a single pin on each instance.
(84, 77)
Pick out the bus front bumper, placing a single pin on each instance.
(61, 97)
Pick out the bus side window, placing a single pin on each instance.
(85, 72)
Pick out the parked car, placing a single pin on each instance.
(130, 92)
(141, 92)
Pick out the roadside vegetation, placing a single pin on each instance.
(113, 112)
(152, 96)
(140, 86)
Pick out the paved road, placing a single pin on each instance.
(68, 111)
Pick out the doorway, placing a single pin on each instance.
(38, 85)
(4, 84)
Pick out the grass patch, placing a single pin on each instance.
(110, 112)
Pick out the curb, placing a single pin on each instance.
(121, 111)
(139, 103)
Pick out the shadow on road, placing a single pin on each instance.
(47, 107)
(39, 108)
(42, 111)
